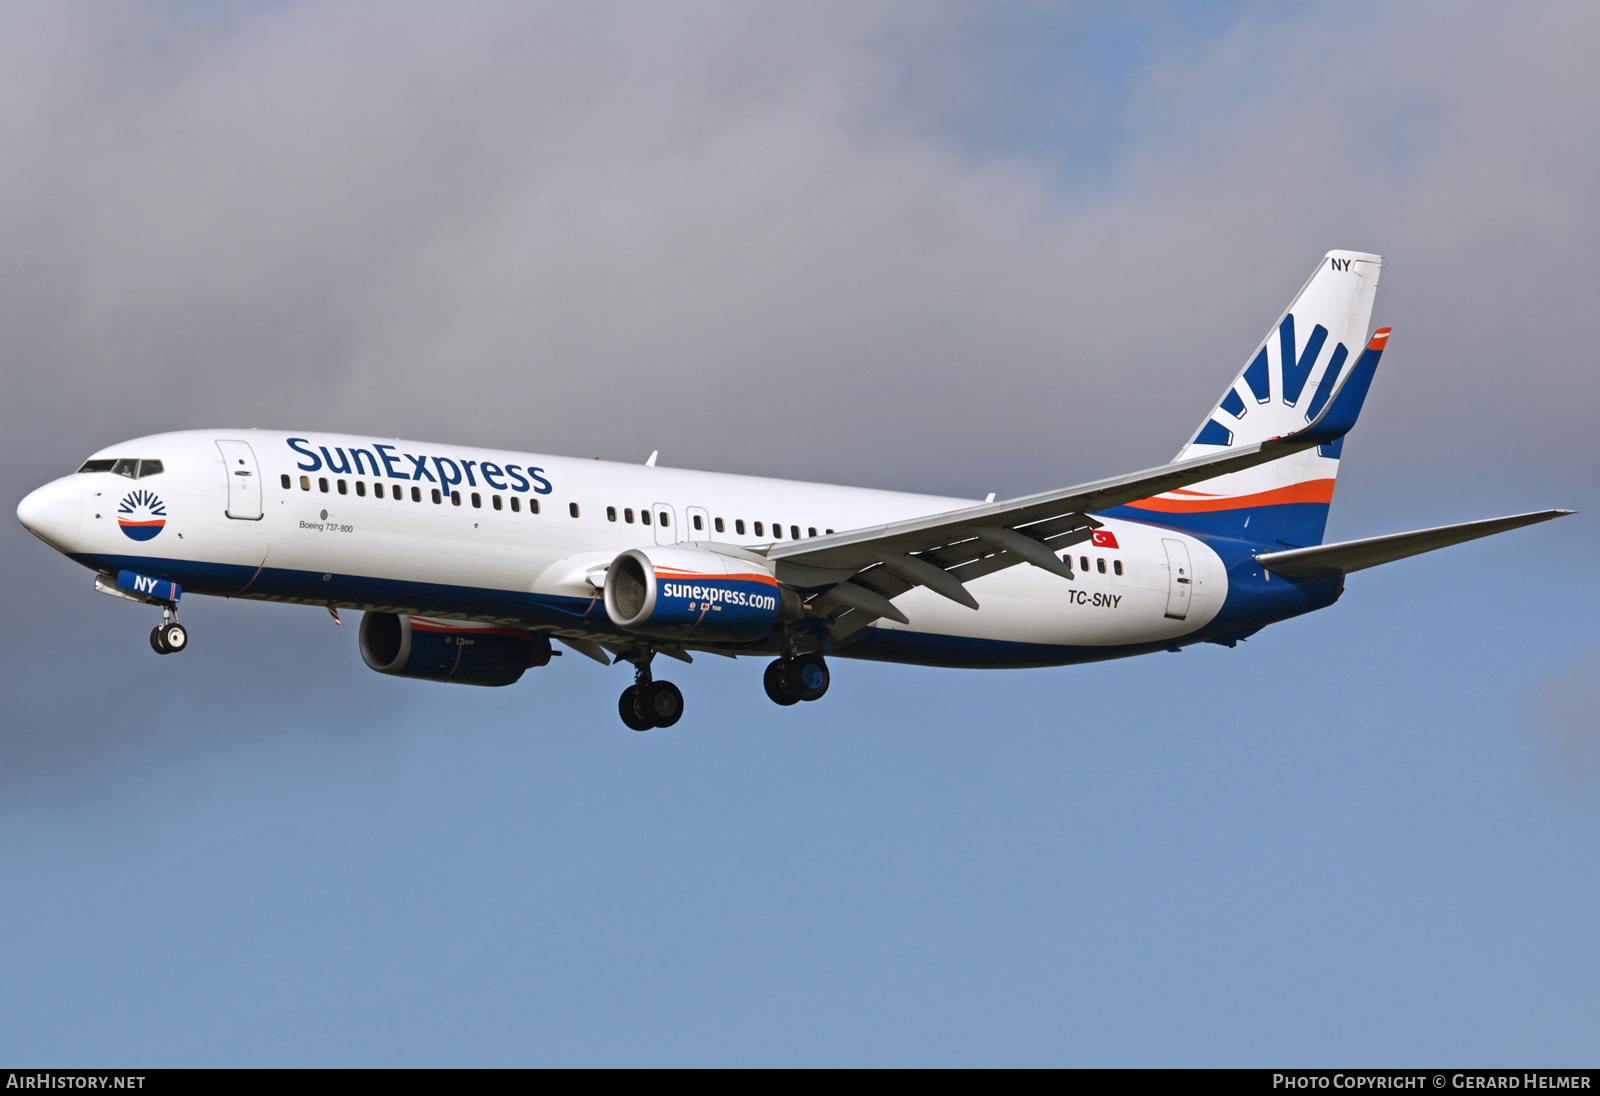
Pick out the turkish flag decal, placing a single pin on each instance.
(1105, 538)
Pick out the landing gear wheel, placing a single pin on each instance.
(174, 637)
(628, 707)
(774, 683)
(805, 677)
(663, 702)
(157, 644)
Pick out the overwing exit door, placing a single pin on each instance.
(244, 480)
(666, 525)
(1180, 579)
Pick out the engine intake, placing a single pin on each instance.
(690, 593)
(461, 651)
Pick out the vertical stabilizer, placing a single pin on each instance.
(1318, 342)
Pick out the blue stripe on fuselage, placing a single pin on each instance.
(1253, 601)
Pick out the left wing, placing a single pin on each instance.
(850, 577)
(1357, 555)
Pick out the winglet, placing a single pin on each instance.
(1340, 415)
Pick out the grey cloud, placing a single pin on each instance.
(1566, 708)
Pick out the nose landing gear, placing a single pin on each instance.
(169, 637)
(647, 703)
(791, 680)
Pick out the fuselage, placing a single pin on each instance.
(516, 539)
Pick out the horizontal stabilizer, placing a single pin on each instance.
(1357, 555)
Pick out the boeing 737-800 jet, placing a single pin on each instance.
(467, 562)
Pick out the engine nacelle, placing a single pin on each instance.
(461, 651)
(690, 593)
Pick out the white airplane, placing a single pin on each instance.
(467, 562)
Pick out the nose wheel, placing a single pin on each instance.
(169, 638)
(791, 680)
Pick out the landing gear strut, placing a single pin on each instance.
(169, 637)
(648, 703)
(791, 680)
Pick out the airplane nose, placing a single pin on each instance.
(54, 512)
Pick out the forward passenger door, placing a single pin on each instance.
(244, 480)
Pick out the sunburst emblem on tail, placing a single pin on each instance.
(141, 514)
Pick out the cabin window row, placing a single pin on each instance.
(698, 521)
(398, 492)
(1099, 565)
(664, 518)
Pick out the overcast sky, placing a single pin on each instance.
(954, 248)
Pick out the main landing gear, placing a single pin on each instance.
(791, 680)
(169, 637)
(647, 703)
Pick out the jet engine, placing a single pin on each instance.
(690, 593)
(450, 650)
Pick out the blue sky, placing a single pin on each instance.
(911, 247)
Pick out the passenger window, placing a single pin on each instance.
(533, 506)
(305, 483)
(1100, 565)
(455, 498)
(738, 526)
(496, 501)
(477, 502)
(416, 495)
(344, 488)
(611, 513)
(794, 532)
(377, 490)
(829, 532)
(97, 466)
(759, 529)
(322, 484)
(663, 519)
(720, 527)
(1083, 563)
(644, 516)
(361, 488)
(811, 531)
(627, 515)
(777, 531)
(698, 524)
(287, 484)
(1116, 565)
(516, 505)
(129, 468)
(150, 468)
(438, 499)
(572, 508)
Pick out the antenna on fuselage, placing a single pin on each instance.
(651, 463)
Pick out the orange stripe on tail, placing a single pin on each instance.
(1312, 491)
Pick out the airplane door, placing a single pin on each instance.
(699, 524)
(244, 480)
(1179, 579)
(666, 524)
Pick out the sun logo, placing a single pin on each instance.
(141, 515)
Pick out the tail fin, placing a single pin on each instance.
(1285, 385)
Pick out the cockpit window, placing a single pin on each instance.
(126, 466)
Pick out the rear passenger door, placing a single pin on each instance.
(244, 480)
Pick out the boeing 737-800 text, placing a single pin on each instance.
(468, 562)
